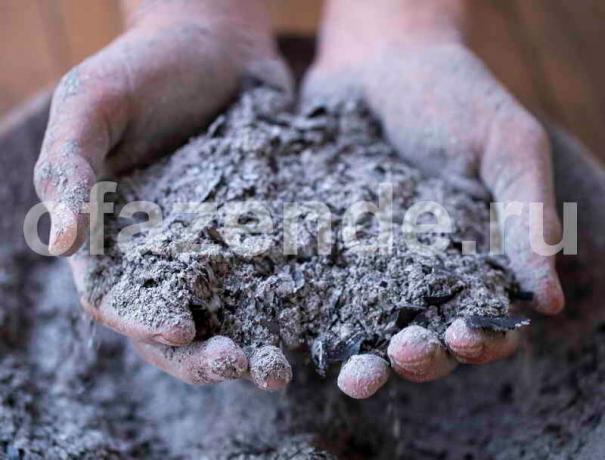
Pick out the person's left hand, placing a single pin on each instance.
(448, 115)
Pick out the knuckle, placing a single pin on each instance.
(534, 133)
(526, 128)
(78, 82)
(521, 154)
(69, 85)
(87, 81)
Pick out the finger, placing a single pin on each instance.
(176, 330)
(86, 119)
(363, 375)
(478, 346)
(213, 361)
(517, 168)
(170, 326)
(269, 368)
(417, 354)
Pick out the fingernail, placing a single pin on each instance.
(63, 230)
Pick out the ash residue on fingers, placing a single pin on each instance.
(269, 368)
(362, 375)
(70, 85)
(60, 172)
(224, 359)
(245, 286)
(72, 194)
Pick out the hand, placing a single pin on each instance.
(177, 65)
(450, 117)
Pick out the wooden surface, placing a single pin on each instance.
(548, 52)
(41, 39)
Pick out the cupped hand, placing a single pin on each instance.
(142, 96)
(448, 116)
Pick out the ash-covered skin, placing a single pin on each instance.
(336, 303)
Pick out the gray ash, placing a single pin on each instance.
(328, 296)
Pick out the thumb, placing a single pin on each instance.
(63, 181)
(76, 142)
(517, 169)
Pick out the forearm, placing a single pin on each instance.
(354, 29)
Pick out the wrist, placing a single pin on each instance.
(354, 31)
(249, 12)
(242, 28)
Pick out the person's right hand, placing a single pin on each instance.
(177, 65)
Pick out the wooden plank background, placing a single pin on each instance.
(41, 39)
(548, 52)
